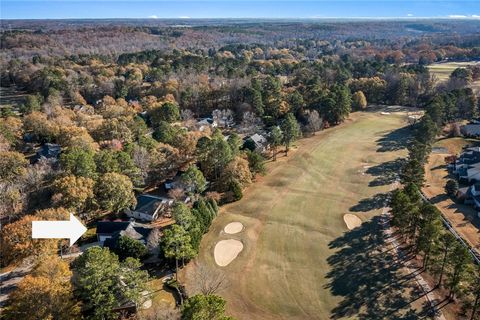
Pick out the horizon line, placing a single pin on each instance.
(472, 17)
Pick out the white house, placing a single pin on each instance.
(260, 142)
(202, 124)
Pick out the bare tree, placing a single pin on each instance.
(224, 117)
(250, 123)
(176, 194)
(141, 158)
(314, 122)
(156, 312)
(209, 281)
(187, 114)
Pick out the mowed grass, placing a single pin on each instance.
(299, 260)
(443, 70)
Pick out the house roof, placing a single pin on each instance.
(148, 204)
(464, 191)
(205, 121)
(462, 172)
(48, 150)
(258, 139)
(474, 149)
(110, 227)
(132, 231)
(474, 175)
(175, 182)
(471, 129)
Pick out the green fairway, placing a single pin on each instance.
(443, 70)
(300, 261)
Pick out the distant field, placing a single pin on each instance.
(300, 261)
(443, 70)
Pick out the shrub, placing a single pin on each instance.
(451, 187)
(236, 190)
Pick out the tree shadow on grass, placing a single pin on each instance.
(385, 173)
(394, 140)
(373, 203)
(366, 274)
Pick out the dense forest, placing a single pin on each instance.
(129, 105)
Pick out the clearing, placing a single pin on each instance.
(299, 258)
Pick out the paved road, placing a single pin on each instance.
(9, 281)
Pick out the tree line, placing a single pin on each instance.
(420, 225)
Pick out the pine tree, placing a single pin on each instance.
(291, 131)
(458, 260)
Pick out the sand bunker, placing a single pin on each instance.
(352, 221)
(226, 251)
(233, 227)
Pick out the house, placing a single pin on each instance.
(205, 123)
(177, 183)
(259, 141)
(470, 195)
(471, 130)
(48, 151)
(148, 207)
(467, 167)
(108, 232)
(106, 229)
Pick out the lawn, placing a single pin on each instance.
(161, 298)
(300, 261)
(462, 217)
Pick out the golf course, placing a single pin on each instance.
(443, 70)
(311, 241)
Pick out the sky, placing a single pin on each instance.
(157, 9)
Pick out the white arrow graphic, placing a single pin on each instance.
(71, 229)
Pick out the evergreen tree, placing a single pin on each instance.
(447, 243)
(177, 244)
(104, 283)
(194, 180)
(413, 172)
(257, 102)
(79, 162)
(204, 307)
(458, 260)
(128, 247)
(275, 139)
(291, 131)
(429, 231)
(475, 290)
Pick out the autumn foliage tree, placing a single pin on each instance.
(114, 192)
(16, 238)
(12, 165)
(359, 101)
(73, 192)
(46, 293)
